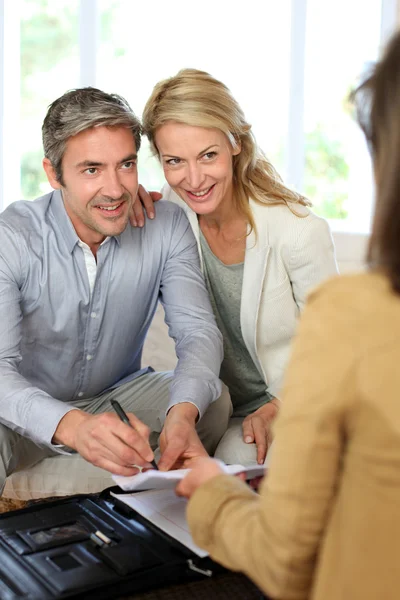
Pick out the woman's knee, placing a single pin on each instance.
(232, 449)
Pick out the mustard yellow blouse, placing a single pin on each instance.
(326, 525)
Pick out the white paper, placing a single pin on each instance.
(160, 505)
(167, 511)
(150, 480)
(162, 480)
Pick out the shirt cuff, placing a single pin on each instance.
(182, 402)
(197, 392)
(43, 417)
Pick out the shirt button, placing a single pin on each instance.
(93, 315)
(89, 357)
(80, 394)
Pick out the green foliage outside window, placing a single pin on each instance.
(48, 53)
(326, 176)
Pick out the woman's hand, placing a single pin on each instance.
(203, 469)
(257, 428)
(144, 201)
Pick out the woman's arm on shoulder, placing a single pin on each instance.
(145, 201)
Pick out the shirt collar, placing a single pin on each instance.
(64, 222)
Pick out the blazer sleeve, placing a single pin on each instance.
(274, 538)
(311, 259)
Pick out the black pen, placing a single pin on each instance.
(124, 417)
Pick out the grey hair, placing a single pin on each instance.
(81, 109)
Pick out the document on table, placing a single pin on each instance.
(159, 503)
(165, 510)
(161, 480)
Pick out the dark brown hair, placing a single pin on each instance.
(378, 111)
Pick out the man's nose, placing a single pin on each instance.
(112, 186)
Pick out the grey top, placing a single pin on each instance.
(59, 342)
(238, 371)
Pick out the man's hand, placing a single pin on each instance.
(144, 200)
(203, 470)
(257, 428)
(179, 443)
(105, 441)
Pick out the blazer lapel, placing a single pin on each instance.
(255, 266)
(192, 216)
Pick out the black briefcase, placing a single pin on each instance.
(89, 547)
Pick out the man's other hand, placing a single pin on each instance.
(179, 443)
(105, 441)
(144, 202)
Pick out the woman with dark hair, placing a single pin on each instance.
(326, 524)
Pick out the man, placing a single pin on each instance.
(78, 290)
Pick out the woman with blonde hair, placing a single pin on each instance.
(326, 525)
(261, 247)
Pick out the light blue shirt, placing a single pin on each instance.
(59, 342)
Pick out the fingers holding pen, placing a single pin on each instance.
(139, 426)
(131, 440)
(107, 442)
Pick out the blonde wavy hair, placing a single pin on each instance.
(195, 98)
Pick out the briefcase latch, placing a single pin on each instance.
(100, 539)
(196, 569)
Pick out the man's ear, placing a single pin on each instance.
(51, 174)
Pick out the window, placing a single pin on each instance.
(49, 66)
(47, 63)
(137, 50)
(337, 174)
(290, 63)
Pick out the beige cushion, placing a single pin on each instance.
(57, 476)
(65, 475)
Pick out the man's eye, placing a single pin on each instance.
(128, 165)
(91, 171)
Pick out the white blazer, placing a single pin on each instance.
(288, 257)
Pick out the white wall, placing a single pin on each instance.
(351, 249)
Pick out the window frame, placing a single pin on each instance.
(89, 31)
